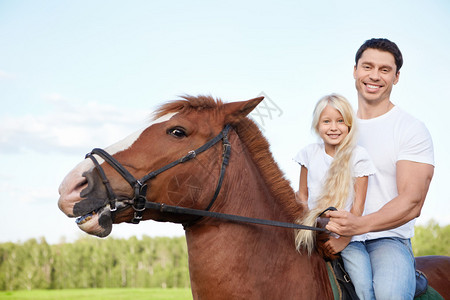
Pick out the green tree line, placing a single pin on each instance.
(94, 263)
(133, 263)
(431, 239)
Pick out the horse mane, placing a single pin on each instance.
(254, 141)
(259, 150)
(188, 103)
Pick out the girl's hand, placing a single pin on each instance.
(336, 245)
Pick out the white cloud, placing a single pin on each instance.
(5, 75)
(12, 190)
(68, 127)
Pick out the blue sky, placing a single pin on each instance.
(75, 75)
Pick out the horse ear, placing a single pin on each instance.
(236, 111)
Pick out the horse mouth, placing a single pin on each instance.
(87, 217)
(97, 222)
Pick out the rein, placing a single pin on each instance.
(140, 203)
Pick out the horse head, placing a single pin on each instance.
(178, 128)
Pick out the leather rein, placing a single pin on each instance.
(140, 203)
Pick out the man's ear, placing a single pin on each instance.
(397, 77)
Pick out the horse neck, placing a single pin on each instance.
(246, 192)
(222, 254)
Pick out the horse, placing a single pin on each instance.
(203, 155)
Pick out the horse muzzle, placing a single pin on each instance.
(83, 198)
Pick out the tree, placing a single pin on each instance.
(431, 239)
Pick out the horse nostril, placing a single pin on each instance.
(89, 184)
(92, 186)
(81, 184)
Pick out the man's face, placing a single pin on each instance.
(375, 74)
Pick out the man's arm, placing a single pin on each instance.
(413, 181)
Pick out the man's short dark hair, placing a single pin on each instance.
(383, 45)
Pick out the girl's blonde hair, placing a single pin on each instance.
(339, 178)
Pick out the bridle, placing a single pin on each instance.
(140, 186)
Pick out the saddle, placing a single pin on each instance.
(341, 283)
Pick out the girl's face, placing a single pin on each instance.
(332, 129)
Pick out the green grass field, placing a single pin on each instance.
(99, 294)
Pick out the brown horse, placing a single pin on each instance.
(227, 259)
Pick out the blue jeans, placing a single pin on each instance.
(382, 268)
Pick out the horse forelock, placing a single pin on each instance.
(188, 103)
(259, 150)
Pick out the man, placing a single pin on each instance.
(401, 148)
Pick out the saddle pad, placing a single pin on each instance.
(431, 294)
(334, 285)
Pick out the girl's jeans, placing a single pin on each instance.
(381, 268)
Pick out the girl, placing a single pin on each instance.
(333, 172)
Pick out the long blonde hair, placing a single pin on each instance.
(339, 178)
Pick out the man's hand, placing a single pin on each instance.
(345, 223)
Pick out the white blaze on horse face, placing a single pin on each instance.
(129, 140)
(74, 182)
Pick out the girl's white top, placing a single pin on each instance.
(314, 158)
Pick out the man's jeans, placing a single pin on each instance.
(382, 268)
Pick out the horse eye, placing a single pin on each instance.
(177, 132)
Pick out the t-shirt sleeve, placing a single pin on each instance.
(363, 165)
(416, 144)
(302, 157)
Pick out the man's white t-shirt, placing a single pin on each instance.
(388, 139)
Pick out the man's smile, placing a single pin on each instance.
(372, 87)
